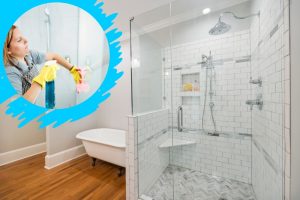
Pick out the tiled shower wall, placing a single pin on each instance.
(270, 61)
(146, 132)
(229, 155)
(152, 131)
(231, 54)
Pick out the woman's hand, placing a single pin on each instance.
(48, 73)
(77, 75)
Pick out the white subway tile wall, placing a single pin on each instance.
(226, 156)
(152, 161)
(231, 54)
(270, 61)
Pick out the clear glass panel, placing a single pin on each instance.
(147, 75)
(151, 93)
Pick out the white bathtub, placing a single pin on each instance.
(105, 144)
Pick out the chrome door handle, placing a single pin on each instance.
(179, 118)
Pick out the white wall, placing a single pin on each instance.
(12, 137)
(63, 138)
(113, 112)
(295, 95)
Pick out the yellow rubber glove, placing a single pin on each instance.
(76, 74)
(47, 74)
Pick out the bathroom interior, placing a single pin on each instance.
(204, 100)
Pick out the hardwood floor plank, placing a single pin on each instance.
(28, 179)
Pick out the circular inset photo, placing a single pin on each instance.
(56, 55)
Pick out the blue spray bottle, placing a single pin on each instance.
(50, 88)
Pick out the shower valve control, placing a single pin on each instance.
(256, 81)
(258, 102)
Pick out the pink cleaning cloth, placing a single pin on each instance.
(82, 87)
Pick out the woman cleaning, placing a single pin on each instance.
(24, 67)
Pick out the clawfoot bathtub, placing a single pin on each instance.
(105, 144)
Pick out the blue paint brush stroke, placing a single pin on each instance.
(26, 111)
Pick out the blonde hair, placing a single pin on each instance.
(8, 58)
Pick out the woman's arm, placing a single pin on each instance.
(60, 60)
(75, 71)
(33, 92)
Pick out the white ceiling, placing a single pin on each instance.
(130, 8)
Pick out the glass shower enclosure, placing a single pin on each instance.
(206, 98)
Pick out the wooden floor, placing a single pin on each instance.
(28, 179)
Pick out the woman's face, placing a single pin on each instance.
(19, 45)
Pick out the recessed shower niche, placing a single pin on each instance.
(190, 82)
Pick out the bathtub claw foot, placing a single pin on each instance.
(121, 171)
(94, 162)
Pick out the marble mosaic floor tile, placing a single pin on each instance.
(195, 185)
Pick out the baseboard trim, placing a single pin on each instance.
(62, 157)
(19, 154)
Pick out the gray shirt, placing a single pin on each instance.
(15, 73)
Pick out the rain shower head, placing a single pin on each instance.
(220, 28)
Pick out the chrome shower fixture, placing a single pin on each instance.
(221, 27)
(256, 102)
(204, 60)
(256, 81)
(48, 23)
